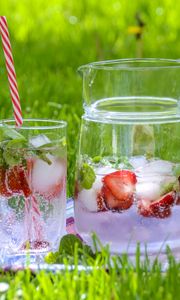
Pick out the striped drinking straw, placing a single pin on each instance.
(11, 71)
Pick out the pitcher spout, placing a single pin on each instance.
(82, 70)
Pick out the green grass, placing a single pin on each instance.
(113, 279)
(50, 39)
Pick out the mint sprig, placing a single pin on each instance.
(14, 148)
(67, 244)
(10, 133)
(13, 152)
(86, 176)
(70, 245)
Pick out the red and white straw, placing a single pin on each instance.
(33, 221)
(11, 71)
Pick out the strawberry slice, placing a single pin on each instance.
(118, 189)
(35, 245)
(100, 202)
(3, 188)
(17, 181)
(160, 208)
(114, 203)
(164, 202)
(13, 180)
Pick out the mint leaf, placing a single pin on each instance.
(67, 247)
(51, 257)
(56, 258)
(87, 251)
(41, 154)
(96, 159)
(14, 152)
(11, 133)
(38, 143)
(67, 244)
(11, 158)
(167, 188)
(87, 176)
(12, 202)
(45, 207)
(15, 144)
(17, 203)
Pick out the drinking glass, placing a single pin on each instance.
(32, 188)
(128, 163)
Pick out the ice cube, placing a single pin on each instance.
(159, 167)
(39, 140)
(152, 177)
(44, 176)
(152, 185)
(137, 161)
(89, 197)
(149, 191)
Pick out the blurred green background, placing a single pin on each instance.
(50, 39)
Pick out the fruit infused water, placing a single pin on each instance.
(128, 202)
(127, 187)
(32, 187)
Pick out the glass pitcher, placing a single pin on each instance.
(128, 165)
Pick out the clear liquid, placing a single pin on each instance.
(31, 226)
(127, 127)
(123, 229)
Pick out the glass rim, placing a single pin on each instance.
(54, 124)
(119, 64)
